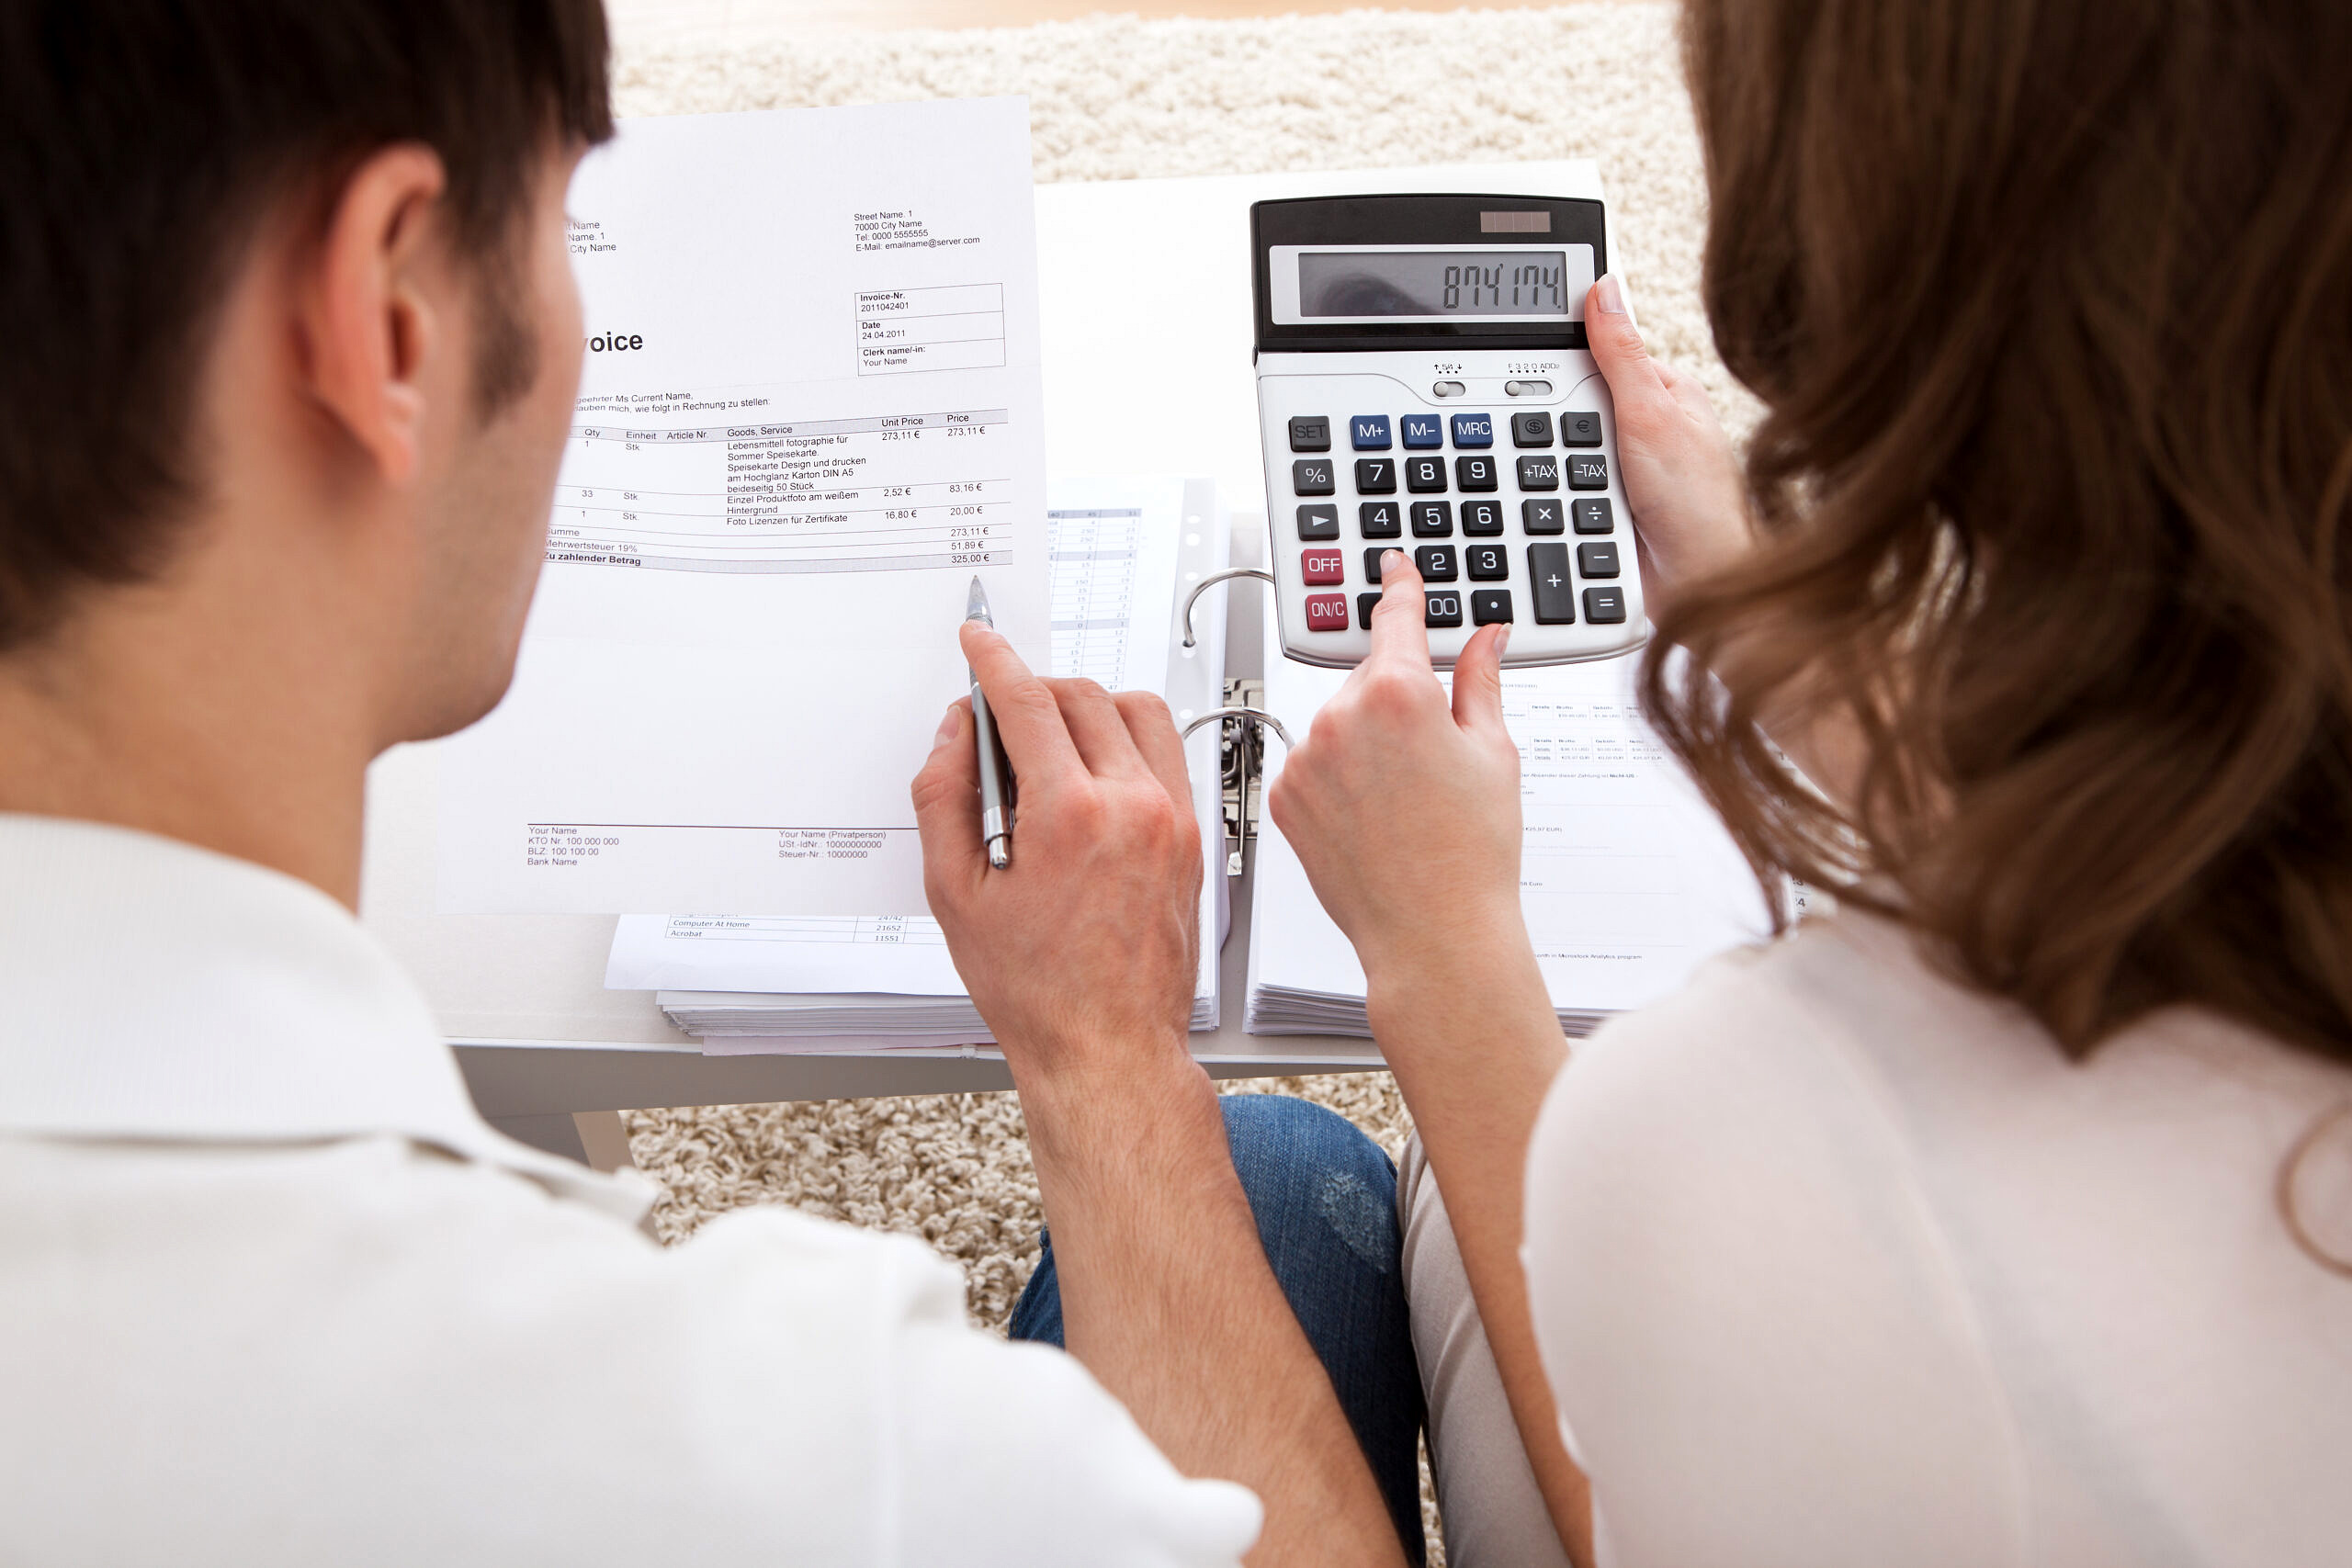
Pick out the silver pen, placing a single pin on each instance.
(996, 777)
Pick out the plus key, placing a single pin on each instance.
(1555, 594)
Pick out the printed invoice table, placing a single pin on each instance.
(1145, 290)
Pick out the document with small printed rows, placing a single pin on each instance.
(809, 414)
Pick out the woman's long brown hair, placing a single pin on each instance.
(2049, 302)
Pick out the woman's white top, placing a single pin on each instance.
(1834, 1261)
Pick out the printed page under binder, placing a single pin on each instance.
(1627, 878)
(810, 413)
(1115, 549)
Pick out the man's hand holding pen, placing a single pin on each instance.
(1107, 879)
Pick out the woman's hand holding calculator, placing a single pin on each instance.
(1682, 482)
(1690, 501)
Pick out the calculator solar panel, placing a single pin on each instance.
(1423, 386)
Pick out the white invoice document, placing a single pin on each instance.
(810, 413)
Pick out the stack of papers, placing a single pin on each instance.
(733, 1023)
(847, 983)
(1627, 878)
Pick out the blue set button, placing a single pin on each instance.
(1473, 430)
(1423, 432)
(1370, 431)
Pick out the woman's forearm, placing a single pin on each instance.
(1475, 1045)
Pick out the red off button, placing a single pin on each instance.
(1327, 612)
(1321, 566)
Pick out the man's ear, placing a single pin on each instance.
(368, 326)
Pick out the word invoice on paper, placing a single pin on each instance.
(809, 414)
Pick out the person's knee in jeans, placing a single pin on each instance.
(1325, 1199)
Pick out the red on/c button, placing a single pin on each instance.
(1320, 567)
(1327, 612)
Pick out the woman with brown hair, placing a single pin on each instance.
(2005, 1215)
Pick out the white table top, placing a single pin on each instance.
(1147, 327)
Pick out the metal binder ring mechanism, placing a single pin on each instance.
(1259, 715)
(1214, 715)
(1244, 744)
(1240, 761)
(1211, 581)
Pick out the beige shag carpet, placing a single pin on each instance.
(1120, 98)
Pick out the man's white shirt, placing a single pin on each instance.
(272, 1293)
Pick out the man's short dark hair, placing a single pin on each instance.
(140, 142)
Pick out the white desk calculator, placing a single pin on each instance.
(1423, 385)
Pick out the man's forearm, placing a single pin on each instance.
(1475, 1045)
(1167, 1299)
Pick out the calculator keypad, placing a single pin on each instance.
(1565, 544)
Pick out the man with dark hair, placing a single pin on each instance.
(289, 346)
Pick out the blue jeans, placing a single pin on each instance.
(1325, 1199)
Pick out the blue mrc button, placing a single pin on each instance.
(1423, 432)
(1369, 432)
(1473, 429)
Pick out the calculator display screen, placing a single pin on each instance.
(1352, 285)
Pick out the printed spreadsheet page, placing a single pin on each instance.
(809, 414)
